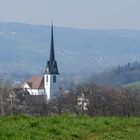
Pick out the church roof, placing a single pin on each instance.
(51, 67)
(36, 82)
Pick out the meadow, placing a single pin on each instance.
(69, 127)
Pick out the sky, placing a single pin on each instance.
(91, 14)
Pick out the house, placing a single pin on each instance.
(83, 102)
(35, 85)
(48, 83)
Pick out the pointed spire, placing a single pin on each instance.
(52, 55)
(51, 67)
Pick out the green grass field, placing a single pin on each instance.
(132, 85)
(69, 127)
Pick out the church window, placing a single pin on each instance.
(54, 79)
(46, 78)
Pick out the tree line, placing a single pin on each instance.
(89, 99)
(119, 75)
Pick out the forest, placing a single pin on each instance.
(118, 76)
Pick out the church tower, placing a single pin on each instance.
(51, 72)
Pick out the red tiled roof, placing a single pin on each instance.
(36, 82)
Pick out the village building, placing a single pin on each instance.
(83, 102)
(48, 83)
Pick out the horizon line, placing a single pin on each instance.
(71, 27)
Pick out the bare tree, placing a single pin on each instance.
(129, 100)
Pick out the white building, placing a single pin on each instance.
(83, 102)
(35, 85)
(48, 83)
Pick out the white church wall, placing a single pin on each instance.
(41, 92)
(33, 91)
(26, 86)
(51, 86)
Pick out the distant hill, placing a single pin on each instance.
(127, 75)
(24, 49)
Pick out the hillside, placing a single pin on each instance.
(118, 76)
(132, 85)
(69, 127)
(25, 48)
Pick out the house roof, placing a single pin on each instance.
(36, 82)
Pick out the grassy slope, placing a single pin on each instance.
(133, 85)
(69, 127)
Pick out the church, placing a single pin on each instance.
(48, 83)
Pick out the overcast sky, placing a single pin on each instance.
(95, 14)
